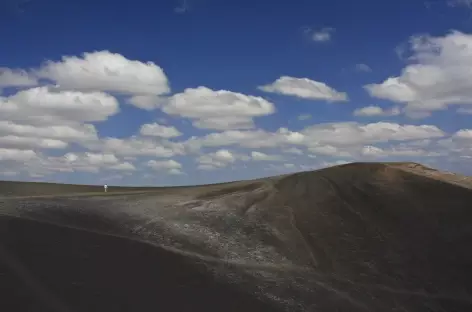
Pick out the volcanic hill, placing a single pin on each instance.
(355, 237)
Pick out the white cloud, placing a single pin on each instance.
(417, 143)
(106, 71)
(335, 134)
(206, 167)
(244, 138)
(175, 171)
(39, 122)
(440, 75)
(332, 163)
(16, 78)
(164, 164)
(363, 68)
(218, 159)
(183, 7)
(87, 162)
(329, 150)
(171, 166)
(322, 35)
(258, 156)
(351, 133)
(42, 165)
(304, 88)
(31, 142)
(17, 155)
(225, 123)
(136, 146)
(460, 3)
(465, 110)
(293, 150)
(43, 105)
(376, 111)
(65, 133)
(218, 110)
(158, 130)
(373, 151)
(146, 102)
(9, 173)
(457, 145)
(463, 134)
(125, 166)
(323, 164)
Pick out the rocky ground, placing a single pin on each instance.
(356, 237)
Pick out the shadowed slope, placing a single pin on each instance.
(51, 268)
(377, 228)
(357, 237)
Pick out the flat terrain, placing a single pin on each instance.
(356, 237)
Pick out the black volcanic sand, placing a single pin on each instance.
(357, 237)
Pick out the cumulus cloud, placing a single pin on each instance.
(158, 130)
(259, 156)
(137, 146)
(304, 88)
(16, 78)
(329, 150)
(376, 152)
(13, 141)
(91, 162)
(376, 111)
(321, 35)
(218, 110)
(146, 102)
(170, 165)
(164, 164)
(363, 68)
(183, 7)
(463, 134)
(65, 133)
(460, 3)
(43, 106)
(7, 173)
(439, 75)
(39, 164)
(257, 138)
(293, 150)
(465, 110)
(42, 121)
(351, 133)
(335, 134)
(42, 117)
(459, 144)
(218, 159)
(17, 155)
(106, 71)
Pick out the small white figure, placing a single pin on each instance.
(105, 187)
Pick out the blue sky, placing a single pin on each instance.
(200, 91)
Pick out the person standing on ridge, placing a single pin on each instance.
(105, 187)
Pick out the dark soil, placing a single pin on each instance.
(357, 237)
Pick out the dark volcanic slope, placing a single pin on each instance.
(10, 188)
(358, 237)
